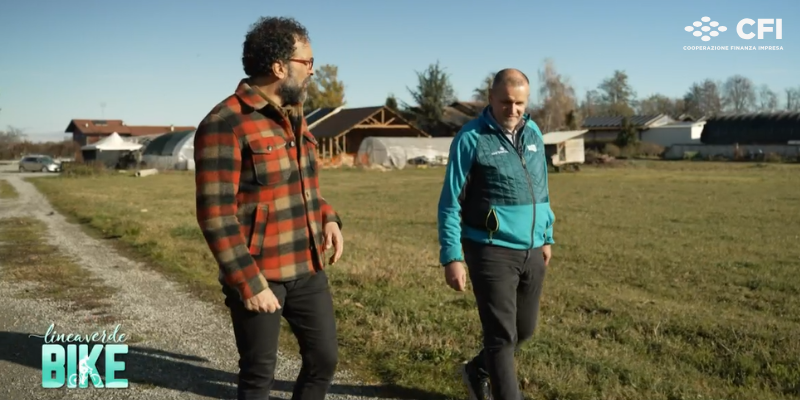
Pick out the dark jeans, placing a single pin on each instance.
(507, 285)
(308, 308)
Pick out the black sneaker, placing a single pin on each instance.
(478, 389)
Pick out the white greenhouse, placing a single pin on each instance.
(174, 150)
(397, 152)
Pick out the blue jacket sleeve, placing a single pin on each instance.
(548, 236)
(462, 154)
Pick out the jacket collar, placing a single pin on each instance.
(248, 95)
(487, 117)
(253, 98)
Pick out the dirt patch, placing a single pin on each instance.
(28, 258)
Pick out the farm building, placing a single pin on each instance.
(109, 150)
(605, 129)
(397, 152)
(174, 150)
(565, 147)
(87, 131)
(756, 128)
(746, 135)
(340, 131)
(674, 133)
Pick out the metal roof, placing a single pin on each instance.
(342, 121)
(319, 114)
(562, 136)
(752, 128)
(763, 116)
(616, 121)
(680, 124)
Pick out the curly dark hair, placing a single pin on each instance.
(270, 39)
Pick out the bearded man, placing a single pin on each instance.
(262, 215)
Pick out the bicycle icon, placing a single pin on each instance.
(84, 372)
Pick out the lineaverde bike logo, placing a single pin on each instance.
(705, 32)
(71, 359)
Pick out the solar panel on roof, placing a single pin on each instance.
(320, 113)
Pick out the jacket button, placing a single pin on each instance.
(308, 194)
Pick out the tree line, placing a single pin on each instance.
(562, 107)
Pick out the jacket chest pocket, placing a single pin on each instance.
(498, 164)
(271, 159)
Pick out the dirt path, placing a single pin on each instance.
(183, 348)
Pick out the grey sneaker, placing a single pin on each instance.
(478, 389)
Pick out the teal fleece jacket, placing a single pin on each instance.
(495, 192)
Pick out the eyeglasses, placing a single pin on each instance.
(309, 63)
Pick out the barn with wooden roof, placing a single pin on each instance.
(341, 130)
(778, 128)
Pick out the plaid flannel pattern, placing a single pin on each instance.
(258, 201)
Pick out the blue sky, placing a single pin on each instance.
(168, 62)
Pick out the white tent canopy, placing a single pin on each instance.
(112, 142)
(396, 152)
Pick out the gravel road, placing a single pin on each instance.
(184, 348)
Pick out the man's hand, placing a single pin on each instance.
(333, 236)
(547, 253)
(455, 275)
(265, 301)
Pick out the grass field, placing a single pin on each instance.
(669, 280)
(7, 191)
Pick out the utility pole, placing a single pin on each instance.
(103, 109)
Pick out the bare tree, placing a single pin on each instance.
(591, 103)
(11, 136)
(558, 98)
(703, 99)
(793, 99)
(659, 104)
(739, 94)
(767, 99)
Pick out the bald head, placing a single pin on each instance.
(509, 77)
(509, 97)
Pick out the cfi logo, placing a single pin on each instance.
(705, 32)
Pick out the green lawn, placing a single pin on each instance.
(670, 280)
(7, 191)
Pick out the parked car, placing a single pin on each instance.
(38, 162)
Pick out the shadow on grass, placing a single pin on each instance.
(181, 373)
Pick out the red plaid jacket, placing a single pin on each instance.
(258, 200)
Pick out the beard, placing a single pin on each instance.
(291, 92)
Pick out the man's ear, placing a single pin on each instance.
(279, 69)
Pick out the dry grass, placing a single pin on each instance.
(670, 280)
(26, 257)
(7, 191)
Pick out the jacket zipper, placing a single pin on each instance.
(521, 155)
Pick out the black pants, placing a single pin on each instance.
(308, 308)
(507, 285)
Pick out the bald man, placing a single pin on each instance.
(495, 206)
